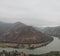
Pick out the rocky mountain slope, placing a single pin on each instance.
(20, 33)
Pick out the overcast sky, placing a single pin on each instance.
(33, 12)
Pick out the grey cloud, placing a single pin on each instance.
(33, 12)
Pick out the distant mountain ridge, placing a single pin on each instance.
(53, 31)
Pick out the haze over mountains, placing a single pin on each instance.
(52, 31)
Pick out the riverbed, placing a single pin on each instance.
(53, 46)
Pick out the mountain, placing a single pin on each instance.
(26, 34)
(18, 31)
(7, 26)
(4, 27)
(53, 31)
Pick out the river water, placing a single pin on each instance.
(53, 46)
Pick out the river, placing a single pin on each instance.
(53, 46)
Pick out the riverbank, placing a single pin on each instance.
(52, 46)
(28, 46)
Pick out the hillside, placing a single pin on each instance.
(20, 33)
(7, 26)
(26, 34)
(4, 27)
(53, 31)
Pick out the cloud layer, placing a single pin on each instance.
(34, 12)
